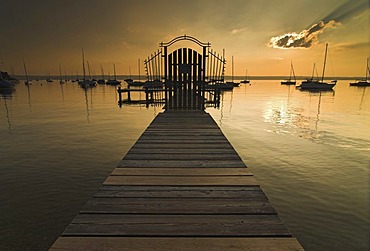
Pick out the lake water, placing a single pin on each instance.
(309, 151)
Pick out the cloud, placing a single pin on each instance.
(304, 39)
(352, 46)
(236, 31)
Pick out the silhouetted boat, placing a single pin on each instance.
(229, 83)
(48, 79)
(85, 83)
(113, 81)
(363, 82)
(316, 85)
(102, 80)
(245, 80)
(28, 81)
(228, 86)
(61, 81)
(6, 83)
(6, 76)
(130, 82)
(290, 81)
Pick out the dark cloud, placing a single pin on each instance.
(309, 37)
(304, 39)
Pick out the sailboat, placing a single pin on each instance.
(102, 80)
(316, 85)
(131, 82)
(113, 81)
(48, 79)
(246, 80)
(231, 84)
(5, 83)
(27, 82)
(61, 81)
(363, 82)
(85, 83)
(290, 81)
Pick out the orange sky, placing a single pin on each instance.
(49, 33)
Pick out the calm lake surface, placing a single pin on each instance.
(309, 151)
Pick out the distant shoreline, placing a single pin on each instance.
(143, 78)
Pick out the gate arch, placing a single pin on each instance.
(187, 74)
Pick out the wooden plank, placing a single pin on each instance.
(181, 163)
(175, 244)
(181, 180)
(182, 146)
(177, 225)
(185, 141)
(180, 133)
(180, 156)
(189, 130)
(183, 171)
(184, 137)
(206, 189)
(169, 206)
(135, 150)
(247, 193)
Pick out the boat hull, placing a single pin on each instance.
(360, 83)
(316, 86)
(113, 82)
(6, 84)
(288, 82)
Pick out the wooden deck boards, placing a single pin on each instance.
(181, 186)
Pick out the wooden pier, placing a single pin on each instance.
(181, 186)
(157, 96)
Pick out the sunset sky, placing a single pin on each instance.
(264, 36)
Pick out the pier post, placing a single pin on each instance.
(146, 96)
(119, 96)
(128, 93)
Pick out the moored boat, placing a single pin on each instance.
(113, 81)
(363, 82)
(290, 81)
(6, 84)
(317, 85)
(245, 80)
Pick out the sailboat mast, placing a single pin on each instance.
(88, 68)
(102, 71)
(232, 68)
(83, 65)
(313, 70)
(60, 71)
(114, 69)
(291, 64)
(323, 69)
(139, 67)
(25, 69)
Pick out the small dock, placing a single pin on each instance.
(182, 186)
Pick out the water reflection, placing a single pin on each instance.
(6, 94)
(362, 97)
(29, 96)
(88, 101)
(288, 117)
(62, 89)
(87, 105)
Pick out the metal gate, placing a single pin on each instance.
(187, 74)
